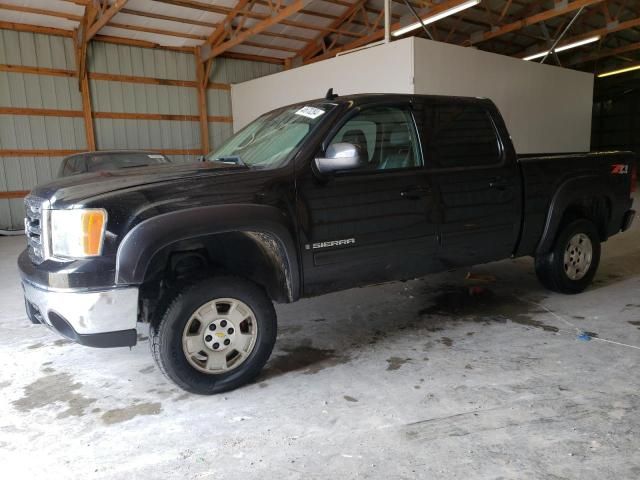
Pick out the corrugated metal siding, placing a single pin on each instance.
(229, 70)
(35, 132)
(39, 91)
(142, 62)
(113, 96)
(143, 134)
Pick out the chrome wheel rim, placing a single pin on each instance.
(578, 256)
(220, 335)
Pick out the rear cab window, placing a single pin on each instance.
(459, 136)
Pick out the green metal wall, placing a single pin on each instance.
(26, 132)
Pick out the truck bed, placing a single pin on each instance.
(546, 176)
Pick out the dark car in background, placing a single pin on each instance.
(88, 162)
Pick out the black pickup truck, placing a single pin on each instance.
(310, 198)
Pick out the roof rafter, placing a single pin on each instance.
(107, 14)
(238, 37)
(601, 32)
(314, 45)
(604, 54)
(377, 33)
(531, 20)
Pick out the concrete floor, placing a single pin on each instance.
(409, 380)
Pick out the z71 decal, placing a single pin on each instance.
(332, 243)
(619, 169)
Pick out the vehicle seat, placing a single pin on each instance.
(359, 139)
(399, 153)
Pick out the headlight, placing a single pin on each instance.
(77, 233)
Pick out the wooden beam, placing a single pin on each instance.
(132, 42)
(252, 58)
(378, 34)
(81, 42)
(87, 113)
(170, 18)
(219, 119)
(601, 32)
(208, 7)
(107, 15)
(531, 20)
(201, 80)
(113, 77)
(40, 112)
(37, 153)
(157, 31)
(218, 34)
(604, 54)
(40, 11)
(146, 116)
(110, 77)
(14, 194)
(257, 28)
(52, 72)
(25, 27)
(314, 45)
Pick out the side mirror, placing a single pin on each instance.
(339, 156)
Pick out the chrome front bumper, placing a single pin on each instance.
(105, 318)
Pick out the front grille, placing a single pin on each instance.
(33, 224)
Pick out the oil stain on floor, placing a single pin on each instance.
(119, 415)
(52, 389)
(304, 358)
(394, 363)
(482, 305)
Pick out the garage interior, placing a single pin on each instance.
(475, 372)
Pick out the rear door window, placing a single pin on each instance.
(460, 136)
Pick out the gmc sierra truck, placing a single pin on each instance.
(310, 198)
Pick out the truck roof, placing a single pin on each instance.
(360, 99)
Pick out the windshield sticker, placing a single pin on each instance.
(156, 156)
(310, 112)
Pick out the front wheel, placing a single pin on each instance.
(215, 335)
(572, 263)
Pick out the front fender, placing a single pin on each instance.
(139, 245)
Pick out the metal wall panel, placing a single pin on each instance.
(142, 62)
(146, 134)
(230, 70)
(41, 91)
(109, 96)
(35, 132)
(36, 50)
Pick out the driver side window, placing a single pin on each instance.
(384, 136)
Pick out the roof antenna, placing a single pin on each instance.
(330, 95)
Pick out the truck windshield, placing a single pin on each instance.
(267, 141)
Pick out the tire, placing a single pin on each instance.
(186, 355)
(576, 274)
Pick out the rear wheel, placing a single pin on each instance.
(572, 263)
(215, 336)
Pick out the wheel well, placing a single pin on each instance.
(596, 209)
(256, 256)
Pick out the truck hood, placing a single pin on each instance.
(74, 189)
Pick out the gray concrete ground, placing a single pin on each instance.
(410, 380)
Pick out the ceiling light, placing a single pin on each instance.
(438, 16)
(618, 72)
(568, 46)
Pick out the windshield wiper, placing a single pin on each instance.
(231, 160)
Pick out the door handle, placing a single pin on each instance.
(415, 193)
(498, 183)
